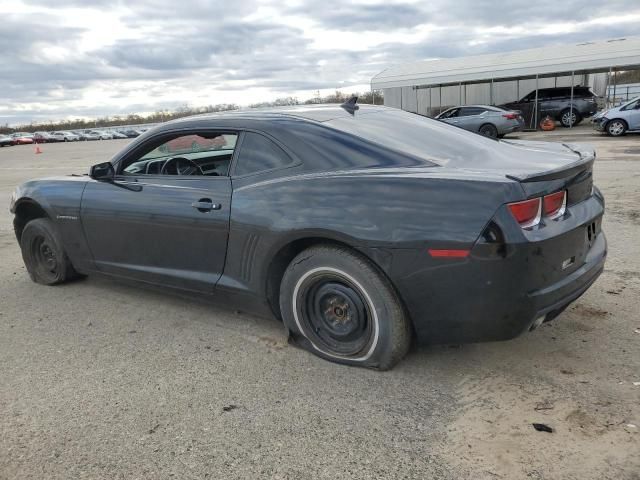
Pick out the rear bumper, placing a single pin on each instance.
(510, 126)
(548, 302)
(488, 297)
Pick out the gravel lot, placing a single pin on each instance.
(100, 379)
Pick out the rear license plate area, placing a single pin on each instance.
(593, 229)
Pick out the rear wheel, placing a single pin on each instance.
(616, 127)
(43, 253)
(570, 118)
(336, 303)
(488, 130)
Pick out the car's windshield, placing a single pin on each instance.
(630, 104)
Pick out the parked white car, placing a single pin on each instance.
(104, 135)
(619, 120)
(65, 136)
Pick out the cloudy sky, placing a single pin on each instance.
(67, 58)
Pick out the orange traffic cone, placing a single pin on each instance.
(38, 149)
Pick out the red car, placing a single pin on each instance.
(193, 143)
(22, 138)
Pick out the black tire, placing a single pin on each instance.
(616, 127)
(336, 304)
(488, 130)
(43, 254)
(570, 118)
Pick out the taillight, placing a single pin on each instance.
(510, 116)
(555, 204)
(528, 212)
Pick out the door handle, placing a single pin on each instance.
(206, 205)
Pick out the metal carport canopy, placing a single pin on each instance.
(587, 57)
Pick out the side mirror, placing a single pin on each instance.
(102, 172)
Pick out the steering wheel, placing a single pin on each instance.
(181, 166)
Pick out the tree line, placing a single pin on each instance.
(184, 111)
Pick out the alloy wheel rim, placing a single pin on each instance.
(569, 118)
(616, 128)
(487, 132)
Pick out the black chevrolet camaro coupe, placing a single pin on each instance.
(361, 228)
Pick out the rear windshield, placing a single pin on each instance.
(413, 134)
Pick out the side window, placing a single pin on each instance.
(258, 153)
(530, 98)
(468, 111)
(202, 153)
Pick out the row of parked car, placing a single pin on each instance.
(23, 138)
(558, 104)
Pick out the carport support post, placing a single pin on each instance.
(571, 103)
(606, 89)
(491, 93)
(535, 108)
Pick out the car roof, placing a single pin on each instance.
(317, 112)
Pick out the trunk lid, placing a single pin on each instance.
(528, 161)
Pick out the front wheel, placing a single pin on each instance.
(43, 253)
(616, 128)
(337, 305)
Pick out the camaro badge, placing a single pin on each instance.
(66, 217)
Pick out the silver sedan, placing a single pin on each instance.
(486, 120)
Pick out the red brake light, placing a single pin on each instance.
(555, 204)
(528, 212)
(510, 116)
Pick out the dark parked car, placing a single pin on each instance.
(494, 122)
(131, 133)
(44, 137)
(5, 140)
(117, 135)
(359, 228)
(556, 103)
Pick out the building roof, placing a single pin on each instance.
(587, 57)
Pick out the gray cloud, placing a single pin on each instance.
(204, 44)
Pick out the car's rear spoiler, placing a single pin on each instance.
(571, 169)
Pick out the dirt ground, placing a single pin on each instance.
(100, 379)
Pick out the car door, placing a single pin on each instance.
(471, 118)
(634, 116)
(449, 116)
(162, 220)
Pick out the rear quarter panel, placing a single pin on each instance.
(379, 212)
